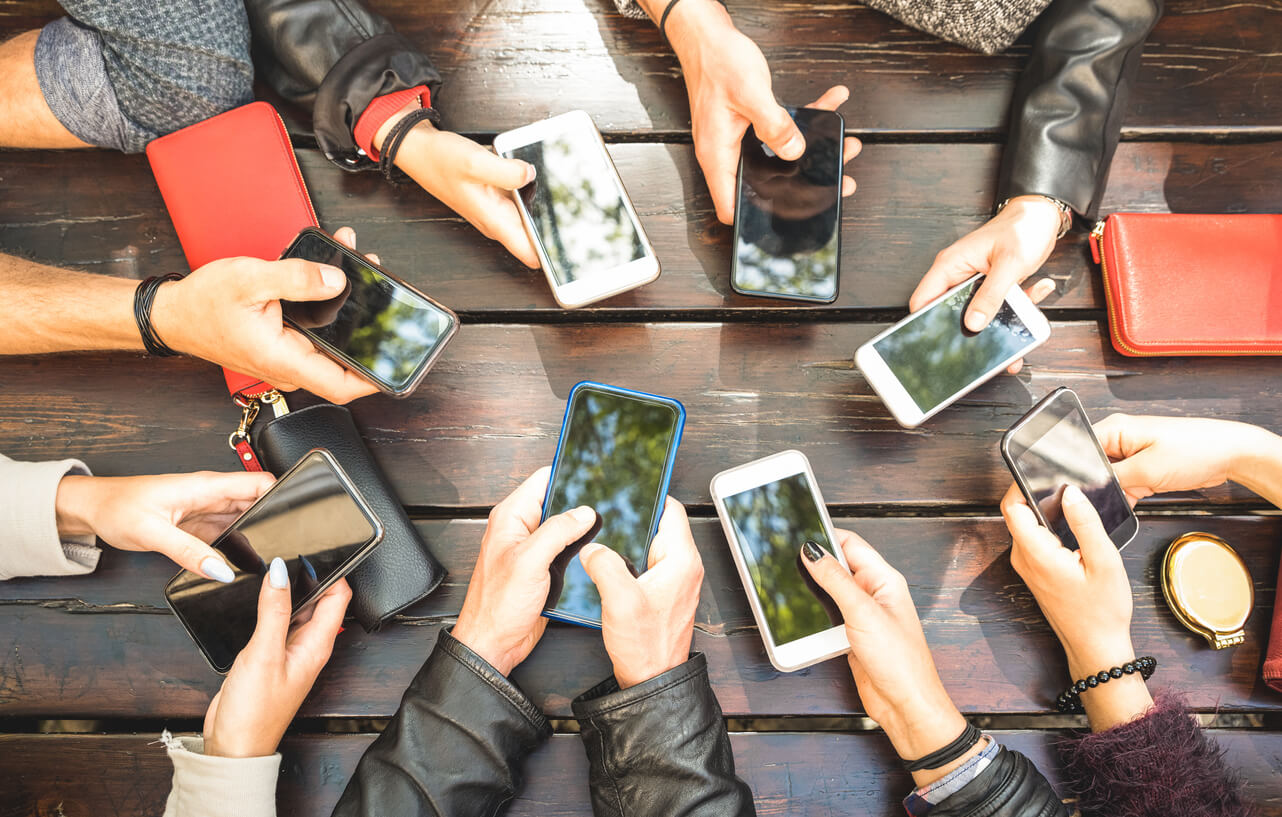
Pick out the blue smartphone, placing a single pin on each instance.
(615, 455)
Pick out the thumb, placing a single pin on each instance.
(775, 127)
(190, 553)
(1093, 542)
(1005, 272)
(507, 174)
(275, 606)
(836, 580)
(294, 279)
(608, 571)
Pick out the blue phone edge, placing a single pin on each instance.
(557, 615)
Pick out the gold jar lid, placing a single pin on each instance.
(1208, 588)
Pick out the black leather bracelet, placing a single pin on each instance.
(392, 144)
(1070, 700)
(144, 297)
(942, 757)
(663, 18)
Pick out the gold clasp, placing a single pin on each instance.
(249, 412)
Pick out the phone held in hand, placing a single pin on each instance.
(381, 327)
(615, 455)
(768, 509)
(314, 518)
(929, 360)
(1053, 446)
(787, 222)
(589, 240)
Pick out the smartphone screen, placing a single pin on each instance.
(577, 206)
(310, 519)
(378, 324)
(1056, 447)
(788, 216)
(934, 356)
(615, 455)
(770, 523)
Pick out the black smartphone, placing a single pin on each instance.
(380, 326)
(787, 223)
(1053, 446)
(314, 518)
(615, 455)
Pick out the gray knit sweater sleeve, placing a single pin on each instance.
(629, 8)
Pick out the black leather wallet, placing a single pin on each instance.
(401, 570)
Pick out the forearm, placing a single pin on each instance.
(26, 120)
(1259, 467)
(57, 310)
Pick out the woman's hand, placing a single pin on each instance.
(647, 621)
(275, 671)
(173, 514)
(1008, 249)
(1085, 596)
(502, 617)
(889, 658)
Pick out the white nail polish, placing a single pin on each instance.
(277, 574)
(217, 569)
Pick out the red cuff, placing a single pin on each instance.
(380, 110)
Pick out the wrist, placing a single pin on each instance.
(471, 637)
(386, 128)
(1052, 213)
(216, 748)
(1102, 654)
(165, 321)
(693, 23)
(1258, 452)
(922, 725)
(631, 676)
(76, 505)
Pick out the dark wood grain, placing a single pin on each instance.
(106, 645)
(789, 773)
(102, 212)
(491, 410)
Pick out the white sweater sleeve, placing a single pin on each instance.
(29, 540)
(205, 786)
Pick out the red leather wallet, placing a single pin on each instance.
(1192, 284)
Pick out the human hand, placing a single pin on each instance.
(647, 621)
(729, 85)
(471, 180)
(502, 617)
(228, 312)
(275, 671)
(173, 514)
(1159, 454)
(889, 658)
(1086, 598)
(1008, 249)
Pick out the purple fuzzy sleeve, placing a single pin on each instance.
(1159, 764)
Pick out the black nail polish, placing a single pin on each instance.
(812, 551)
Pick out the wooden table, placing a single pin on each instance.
(1203, 134)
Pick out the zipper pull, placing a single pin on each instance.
(276, 400)
(1097, 241)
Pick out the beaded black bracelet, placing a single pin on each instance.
(144, 297)
(1070, 700)
(392, 144)
(942, 757)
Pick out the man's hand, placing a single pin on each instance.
(647, 622)
(730, 88)
(275, 671)
(173, 514)
(1009, 248)
(228, 312)
(502, 617)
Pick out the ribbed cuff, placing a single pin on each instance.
(380, 110)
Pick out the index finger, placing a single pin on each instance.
(673, 543)
(832, 99)
(718, 155)
(1027, 534)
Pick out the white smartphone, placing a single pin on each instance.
(929, 360)
(587, 234)
(768, 509)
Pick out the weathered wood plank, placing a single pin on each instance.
(491, 410)
(1208, 66)
(789, 773)
(106, 645)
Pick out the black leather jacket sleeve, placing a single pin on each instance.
(455, 746)
(1010, 786)
(334, 57)
(660, 747)
(1067, 109)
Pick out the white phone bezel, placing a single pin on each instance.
(604, 284)
(792, 655)
(902, 406)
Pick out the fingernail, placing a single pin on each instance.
(277, 575)
(794, 146)
(812, 551)
(529, 173)
(975, 320)
(1073, 495)
(583, 515)
(217, 569)
(332, 276)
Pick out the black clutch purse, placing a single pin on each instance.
(401, 570)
